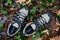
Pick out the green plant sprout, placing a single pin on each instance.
(1, 27)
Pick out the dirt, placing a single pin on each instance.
(55, 38)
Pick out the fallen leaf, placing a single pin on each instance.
(58, 12)
(46, 31)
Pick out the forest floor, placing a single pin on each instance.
(55, 38)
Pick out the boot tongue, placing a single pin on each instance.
(33, 26)
(16, 25)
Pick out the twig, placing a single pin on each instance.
(39, 11)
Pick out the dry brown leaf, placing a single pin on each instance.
(46, 31)
(58, 24)
(58, 12)
(40, 38)
(28, 1)
(22, 1)
(30, 37)
(56, 29)
(13, 9)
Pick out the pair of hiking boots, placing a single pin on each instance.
(30, 28)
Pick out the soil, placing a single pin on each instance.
(53, 38)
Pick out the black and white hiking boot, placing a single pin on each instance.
(17, 21)
(33, 27)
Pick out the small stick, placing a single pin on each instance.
(39, 11)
